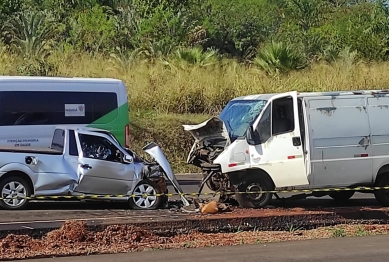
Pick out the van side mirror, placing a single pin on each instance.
(128, 159)
(252, 136)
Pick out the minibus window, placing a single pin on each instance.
(54, 107)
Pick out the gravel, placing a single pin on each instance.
(74, 238)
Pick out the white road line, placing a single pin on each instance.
(28, 227)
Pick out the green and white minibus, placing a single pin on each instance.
(31, 107)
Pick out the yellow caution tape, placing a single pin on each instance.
(197, 194)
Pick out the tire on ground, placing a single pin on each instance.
(254, 183)
(5, 186)
(341, 196)
(382, 195)
(145, 202)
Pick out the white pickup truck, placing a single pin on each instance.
(81, 162)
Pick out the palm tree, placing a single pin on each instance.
(196, 56)
(155, 50)
(31, 33)
(277, 58)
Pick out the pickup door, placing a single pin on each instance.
(100, 166)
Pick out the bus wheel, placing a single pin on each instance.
(382, 195)
(247, 196)
(342, 196)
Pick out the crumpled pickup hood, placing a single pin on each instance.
(211, 137)
(155, 152)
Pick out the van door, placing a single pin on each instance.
(280, 152)
(100, 168)
(341, 152)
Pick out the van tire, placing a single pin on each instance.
(382, 195)
(14, 181)
(342, 196)
(253, 183)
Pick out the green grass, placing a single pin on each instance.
(163, 96)
(174, 88)
(338, 232)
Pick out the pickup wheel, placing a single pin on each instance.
(252, 184)
(14, 191)
(382, 195)
(342, 196)
(144, 196)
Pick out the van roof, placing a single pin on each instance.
(312, 94)
(56, 79)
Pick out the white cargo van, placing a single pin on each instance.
(31, 107)
(296, 141)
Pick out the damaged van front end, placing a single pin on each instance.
(218, 134)
(211, 138)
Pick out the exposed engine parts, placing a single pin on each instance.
(206, 151)
(202, 156)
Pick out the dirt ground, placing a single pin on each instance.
(75, 238)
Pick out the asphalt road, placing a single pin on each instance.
(41, 213)
(355, 249)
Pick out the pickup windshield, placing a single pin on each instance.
(239, 114)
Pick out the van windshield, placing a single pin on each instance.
(239, 114)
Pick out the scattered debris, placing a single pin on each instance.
(206, 206)
(210, 208)
(213, 207)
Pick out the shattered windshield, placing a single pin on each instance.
(239, 114)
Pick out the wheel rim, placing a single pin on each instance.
(14, 194)
(257, 197)
(144, 196)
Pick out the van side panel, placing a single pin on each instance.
(379, 123)
(339, 136)
(115, 122)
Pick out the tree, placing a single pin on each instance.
(30, 33)
(306, 13)
(236, 27)
(92, 30)
(9, 7)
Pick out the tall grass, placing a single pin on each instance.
(167, 88)
(163, 96)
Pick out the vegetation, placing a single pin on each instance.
(183, 60)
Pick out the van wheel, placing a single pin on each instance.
(254, 183)
(382, 195)
(14, 191)
(144, 196)
(342, 196)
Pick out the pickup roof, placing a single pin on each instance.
(81, 162)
